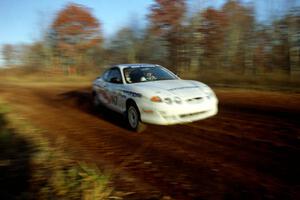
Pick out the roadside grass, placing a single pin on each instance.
(37, 80)
(262, 81)
(30, 168)
(41, 78)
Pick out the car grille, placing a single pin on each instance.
(192, 114)
(195, 100)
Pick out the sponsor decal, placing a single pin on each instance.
(187, 87)
(133, 94)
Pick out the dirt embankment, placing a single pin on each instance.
(250, 150)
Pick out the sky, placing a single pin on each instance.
(23, 21)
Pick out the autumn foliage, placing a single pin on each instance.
(166, 16)
(227, 40)
(76, 27)
(213, 34)
(74, 32)
(166, 21)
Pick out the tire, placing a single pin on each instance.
(133, 118)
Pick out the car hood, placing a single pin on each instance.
(181, 88)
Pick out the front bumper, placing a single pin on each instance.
(164, 114)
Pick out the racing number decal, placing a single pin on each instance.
(105, 96)
(118, 100)
(114, 100)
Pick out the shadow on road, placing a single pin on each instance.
(83, 100)
(15, 156)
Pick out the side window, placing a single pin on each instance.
(105, 76)
(114, 76)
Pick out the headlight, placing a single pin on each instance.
(168, 100)
(178, 100)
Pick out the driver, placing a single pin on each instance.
(150, 77)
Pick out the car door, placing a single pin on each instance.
(100, 86)
(114, 89)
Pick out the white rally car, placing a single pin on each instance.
(152, 94)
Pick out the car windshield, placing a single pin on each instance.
(144, 74)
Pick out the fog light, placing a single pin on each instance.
(147, 111)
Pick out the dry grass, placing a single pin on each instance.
(267, 81)
(275, 80)
(19, 76)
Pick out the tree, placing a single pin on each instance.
(166, 21)
(35, 57)
(293, 21)
(195, 50)
(262, 53)
(8, 54)
(280, 46)
(238, 36)
(151, 49)
(166, 16)
(212, 31)
(75, 32)
(124, 46)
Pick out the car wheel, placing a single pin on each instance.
(133, 118)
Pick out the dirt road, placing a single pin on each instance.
(250, 150)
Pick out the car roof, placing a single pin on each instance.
(122, 66)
